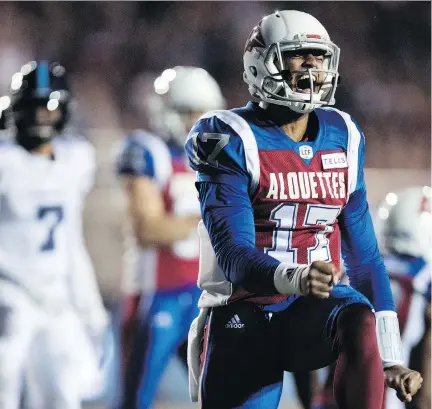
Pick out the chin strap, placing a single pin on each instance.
(389, 340)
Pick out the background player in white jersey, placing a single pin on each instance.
(94, 339)
(42, 254)
(165, 212)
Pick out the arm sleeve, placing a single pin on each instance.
(217, 153)
(360, 253)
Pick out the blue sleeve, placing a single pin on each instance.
(223, 186)
(134, 159)
(363, 262)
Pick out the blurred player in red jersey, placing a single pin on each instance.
(282, 194)
(165, 212)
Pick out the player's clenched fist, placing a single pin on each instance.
(315, 280)
(320, 279)
(405, 381)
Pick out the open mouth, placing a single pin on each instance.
(303, 84)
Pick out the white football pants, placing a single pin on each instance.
(39, 341)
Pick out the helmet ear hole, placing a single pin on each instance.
(253, 70)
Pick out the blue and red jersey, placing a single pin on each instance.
(145, 155)
(267, 199)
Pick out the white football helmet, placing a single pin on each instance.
(181, 95)
(407, 222)
(276, 34)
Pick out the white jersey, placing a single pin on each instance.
(38, 196)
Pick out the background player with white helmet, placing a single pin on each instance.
(164, 212)
(46, 274)
(282, 193)
(403, 222)
(406, 232)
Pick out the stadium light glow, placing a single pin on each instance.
(52, 104)
(16, 81)
(58, 70)
(169, 74)
(161, 86)
(391, 198)
(26, 69)
(4, 102)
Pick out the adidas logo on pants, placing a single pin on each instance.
(234, 322)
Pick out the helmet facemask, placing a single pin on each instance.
(31, 132)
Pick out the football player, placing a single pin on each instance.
(43, 182)
(282, 195)
(407, 241)
(164, 211)
(404, 221)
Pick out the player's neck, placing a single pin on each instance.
(296, 129)
(296, 126)
(45, 149)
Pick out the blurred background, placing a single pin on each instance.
(114, 51)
